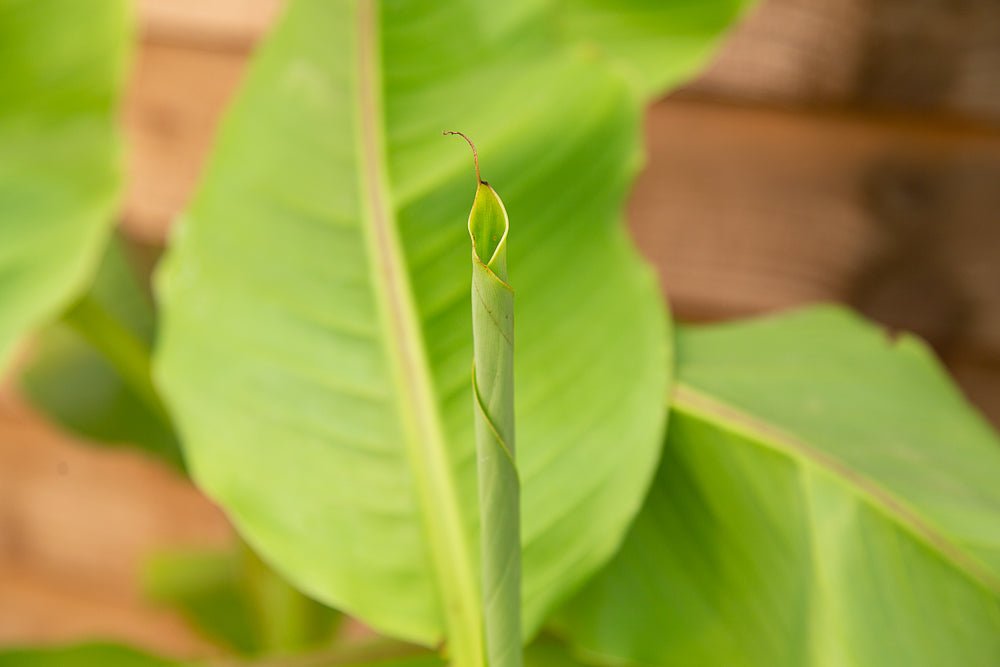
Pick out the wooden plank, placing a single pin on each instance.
(210, 24)
(746, 210)
(788, 51)
(91, 513)
(981, 382)
(76, 525)
(38, 610)
(175, 99)
(917, 55)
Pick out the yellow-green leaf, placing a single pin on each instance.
(826, 498)
(62, 65)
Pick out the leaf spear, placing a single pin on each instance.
(493, 397)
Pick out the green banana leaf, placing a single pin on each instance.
(315, 343)
(660, 43)
(62, 65)
(72, 380)
(826, 497)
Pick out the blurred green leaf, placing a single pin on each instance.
(419, 661)
(206, 587)
(286, 620)
(826, 497)
(316, 339)
(62, 65)
(543, 653)
(87, 655)
(109, 655)
(78, 385)
(661, 43)
(547, 652)
(234, 598)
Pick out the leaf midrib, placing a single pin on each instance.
(425, 441)
(702, 406)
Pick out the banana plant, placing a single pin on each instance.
(794, 490)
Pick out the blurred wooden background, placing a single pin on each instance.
(843, 150)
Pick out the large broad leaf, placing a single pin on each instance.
(316, 342)
(61, 68)
(70, 375)
(661, 43)
(826, 497)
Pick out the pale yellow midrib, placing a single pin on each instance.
(698, 404)
(425, 442)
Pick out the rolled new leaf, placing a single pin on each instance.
(493, 394)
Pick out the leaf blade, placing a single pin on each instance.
(772, 538)
(62, 68)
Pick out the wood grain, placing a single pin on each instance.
(933, 56)
(749, 210)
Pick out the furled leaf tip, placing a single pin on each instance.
(487, 220)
